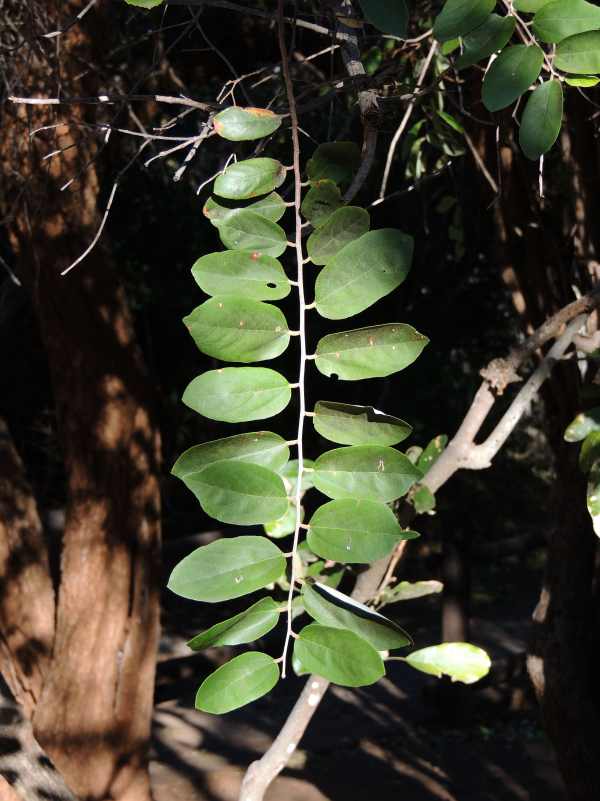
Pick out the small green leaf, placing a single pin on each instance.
(423, 499)
(485, 40)
(579, 54)
(227, 569)
(358, 425)
(432, 452)
(459, 660)
(460, 17)
(337, 655)
(374, 352)
(241, 273)
(334, 161)
(239, 493)
(562, 18)
(365, 472)
(541, 120)
(271, 207)
(238, 682)
(408, 591)
(242, 124)
(261, 447)
(584, 81)
(290, 474)
(248, 626)
(330, 607)
(590, 451)
(387, 17)
(343, 226)
(236, 329)
(362, 272)
(451, 121)
(250, 178)
(285, 525)
(238, 394)
(593, 496)
(247, 230)
(351, 531)
(144, 3)
(583, 424)
(511, 74)
(321, 200)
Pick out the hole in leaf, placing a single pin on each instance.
(271, 285)
(334, 376)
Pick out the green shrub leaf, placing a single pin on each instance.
(347, 424)
(321, 200)
(227, 568)
(242, 124)
(511, 74)
(460, 17)
(238, 682)
(373, 352)
(238, 394)
(364, 271)
(343, 226)
(144, 3)
(241, 273)
(459, 660)
(337, 655)
(365, 472)
(247, 230)
(579, 54)
(250, 178)
(248, 626)
(408, 591)
(541, 120)
(387, 17)
(590, 451)
(432, 452)
(285, 525)
(530, 6)
(236, 329)
(271, 207)
(488, 38)
(334, 161)
(351, 531)
(562, 18)
(261, 447)
(583, 424)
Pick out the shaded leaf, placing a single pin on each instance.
(541, 120)
(343, 226)
(488, 38)
(242, 124)
(247, 230)
(337, 655)
(579, 54)
(358, 425)
(334, 161)
(238, 682)
(459, 660)
(260, 447)
(271, 207)
(387, 17)
(227, 568)
(247, 626)
(408, 591)
(250, 178)
(530, 6)
(511, 74)
(238, 272)
(460, 17)
(321, 200)
(562, 18)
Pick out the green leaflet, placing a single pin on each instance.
(541, 120)
(387, 17)
(262, 448)
(247, 626)
(338, 655)
(488, 38)
(238, 682)
(238, 272)
(246, 179)
(321, 200)
(271, 207)
(245, 229)
(579, 54)
(460, 17)
(583, 424)
(242, 124)
(334, 161)
(557, 20)
(341, 227)
(459, 660)
(227, 568)
(511, 74)
(237, 329)
(358, 425)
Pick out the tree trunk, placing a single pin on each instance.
(93, 714)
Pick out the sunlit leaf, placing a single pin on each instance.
(238, 394)
(590, 451)
(241, 273)
(362, 272)
(373, 352)
(511, 74)
(247, 230)
(250, 178)
(334, 161)
(562, 18)
(261, 447)
(271, 207)
(238, 492)
(541, 120)
(579, 54)
(343, 226)
(321, 200)
(432, 452)
(460, 17)
(238, 682)
(584, 81)
(408, 591)
(387, 17)
(337, 655)
(227, 568)
(242, 124)
(353, 531)
(248, 626)
(236, 329)
(347, 424)
(488, 38)
(144, 3)
(285, 525)
(583, 424)
(459, 660)
(365, 472)
(329, 607)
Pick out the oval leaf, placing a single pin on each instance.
(238, 394)
(365, 472)
(351, 531)
(247, 230)
(385, 16)
(579, 54)
(242, 124)
(248, 626)
(261, 447)
(227, 568)
(583, 424)
(342, 227)
(238, 682)
(285, 525)
(271, 207)
(237, 272)
(488, 38)
(239, 493)
(329, 607)
(339, 656)
(362, 272)
(334, 161)
(358, 425)
(562, 18)
(511, 74)
(541, 121)
(459, 660)
(432, 452)
(144, 3)
(459, 17)
(373, 352)
(407, 591)
(235, 329)
(321, 201)
(250, 178)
